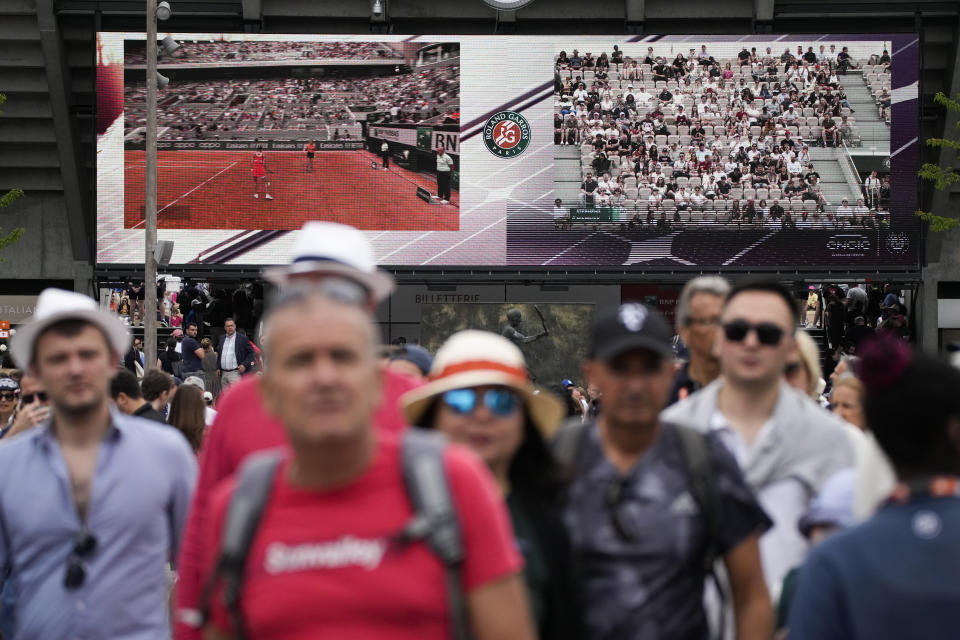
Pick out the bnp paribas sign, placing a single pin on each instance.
(507, 5)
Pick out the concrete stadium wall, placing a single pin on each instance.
(44, 250)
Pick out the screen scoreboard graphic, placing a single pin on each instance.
(654, 152)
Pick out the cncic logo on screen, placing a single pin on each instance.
(506, 134)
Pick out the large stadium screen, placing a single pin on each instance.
(658, 152)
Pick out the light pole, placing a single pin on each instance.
(150, 196)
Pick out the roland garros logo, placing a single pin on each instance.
(506, 134)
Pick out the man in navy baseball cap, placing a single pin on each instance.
(634, 509)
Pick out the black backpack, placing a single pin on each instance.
(434, 521)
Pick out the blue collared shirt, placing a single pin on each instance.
(140, 494)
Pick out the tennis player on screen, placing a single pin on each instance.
(260, 175)
(310, 149)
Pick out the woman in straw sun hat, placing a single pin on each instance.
(479, 395)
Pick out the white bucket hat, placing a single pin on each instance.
(55, 305)
(329, 247)
(475, 358)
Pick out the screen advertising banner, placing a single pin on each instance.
(657, 152)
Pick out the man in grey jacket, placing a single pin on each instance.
(787, 446)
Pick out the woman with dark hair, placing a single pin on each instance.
(895, 576)
(210, 365)
(567, 390)
(480, 396)
(187, 414)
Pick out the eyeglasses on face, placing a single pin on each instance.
(768, 334)
(8, 395)
(500, 402)
(710, 321)
(83, 546)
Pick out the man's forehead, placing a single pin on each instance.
(757, 306)
(87, 337)
(703, 298)
(633, 357)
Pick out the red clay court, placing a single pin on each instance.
(214, 190)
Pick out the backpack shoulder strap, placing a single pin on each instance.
(435, 516)
(244, 512)
(566, 443)
(699, 468)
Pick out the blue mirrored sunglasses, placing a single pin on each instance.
(500, 402)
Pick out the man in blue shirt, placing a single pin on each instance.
(191, 352)
(896, 575)
(92, 502)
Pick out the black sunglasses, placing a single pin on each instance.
(84, 545)
(8, 395)
(28, 398)
(768, 334)
(613, 500)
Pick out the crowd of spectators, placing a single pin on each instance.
(698, 138)
(685, 447)
(850, 314)
(224, 51)
(426, 96)
(180, 304)
(876, 73)
(211, 108)
(187, 301)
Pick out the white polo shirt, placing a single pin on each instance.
(444, 162)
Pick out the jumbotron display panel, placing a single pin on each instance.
(659, 152)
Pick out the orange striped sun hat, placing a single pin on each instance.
(478, 358)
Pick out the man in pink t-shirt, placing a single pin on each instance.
(339, 261)
(327, 560)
